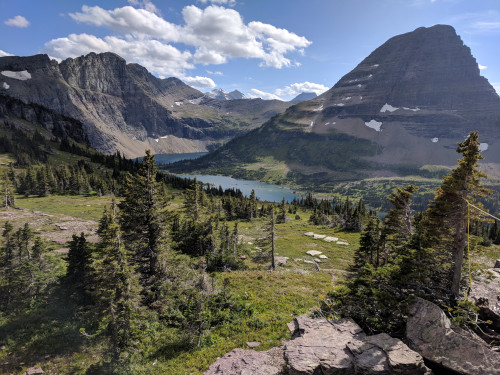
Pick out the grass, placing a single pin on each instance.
(275, 298)
(79, 206)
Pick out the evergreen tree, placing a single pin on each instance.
(142, 219)
(78, 272)
(446, 218)
(116, 288)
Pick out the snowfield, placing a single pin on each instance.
(22, 75)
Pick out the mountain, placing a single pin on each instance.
(302, 97)
(224, 95)
(404, 106)
(123, 107)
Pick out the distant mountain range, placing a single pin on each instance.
(224, 95)
(304, 97)
(123, 107)
(404, 106)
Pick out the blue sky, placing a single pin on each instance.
(266, 48)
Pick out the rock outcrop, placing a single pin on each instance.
(321, 347)
(341, 347)
(12, 110)
(124, 107)
(430, 333)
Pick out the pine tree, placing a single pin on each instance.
(78, 272)
(446, 218)
(142, 219)
(116, 288)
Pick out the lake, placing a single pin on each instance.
(263, 191)
(172, 158)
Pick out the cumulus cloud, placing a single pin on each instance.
(18, 21)
(3, 53)
(145, 4)
(163, 59)
(482, 67)
(290, 91)
(199, 82)
(263, 95)
(209, 36)
(297, 88)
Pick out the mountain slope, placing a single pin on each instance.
(406, 105)
(123, 107)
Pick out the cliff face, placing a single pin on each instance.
(123, 107)
(406, 105)
(12, 109)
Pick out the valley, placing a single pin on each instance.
(150, 228)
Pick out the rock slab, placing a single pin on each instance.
(430, 333)
(248, 362)
(341, 347)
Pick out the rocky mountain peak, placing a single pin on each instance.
(405, 105)
(303, 97)
(220, 94)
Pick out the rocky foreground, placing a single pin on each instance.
(318, 346)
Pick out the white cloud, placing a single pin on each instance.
(297, 88)
(263, 95)
(128, 20)
(3, 53)
(215, 73)
(482, 67)
(199, 82)
(145, 4)
(208, 36)
(17, 21)
(163, 59)
(230, 3)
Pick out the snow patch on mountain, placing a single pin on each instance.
(5, 85)
(22, 75)
(435, 140)
(374, 125)
(388, 108)
(483, 147)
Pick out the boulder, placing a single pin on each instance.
(313, 253)
(430, 333)
(248, 362)
(497, 263)
(341, 347)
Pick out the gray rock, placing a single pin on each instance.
(248, 362)
(253, 344)
(341, 347)
(430, 333)
(497, 263)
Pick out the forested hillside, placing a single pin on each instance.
(166, 274)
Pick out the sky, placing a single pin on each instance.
(263, 48)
